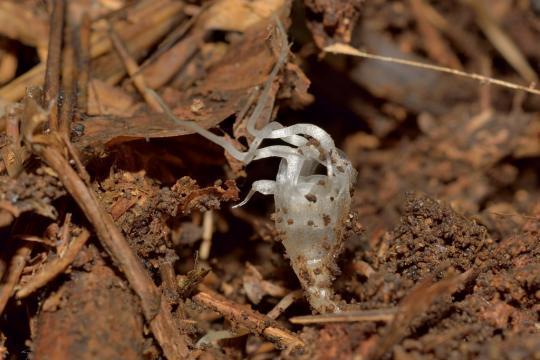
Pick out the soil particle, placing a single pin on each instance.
(144, 209)
(332, 20)
(98, 317)
(32, 191)
(431, 238)
(326, 219)
(432, 241)
(336, 341)
(460, 264)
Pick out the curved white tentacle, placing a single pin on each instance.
(325, 140)
(265, 187)
(238, 155)
(284, 52)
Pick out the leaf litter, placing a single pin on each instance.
(106, 203)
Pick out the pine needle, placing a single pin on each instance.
(345, 49)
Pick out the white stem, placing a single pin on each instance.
(238, 155)
(265, 187)
(284, 51)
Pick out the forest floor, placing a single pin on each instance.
(119, 236)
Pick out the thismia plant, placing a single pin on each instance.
(311, 206)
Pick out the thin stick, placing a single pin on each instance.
(168, 276)
(13, 154)
(13, 274)
(83, 62)
(65, 236)
(55, 267)
(254, 321)
(284, 303)
(155, 308)
(348, 50)
(385, 315)
(69, 78)
(207, 231)
(501, 41)
(52, 74)
(133, 70)
(77, 159)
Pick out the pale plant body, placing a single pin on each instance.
(311, 208)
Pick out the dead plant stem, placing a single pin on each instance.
(54, 61)
(155, 308)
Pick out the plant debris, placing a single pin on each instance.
(119, 236)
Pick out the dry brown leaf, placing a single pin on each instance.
(247, 62)
(239, 15)
(105, 99)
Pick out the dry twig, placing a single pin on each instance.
(345, 49)
(83, 63)
(156, 310)
(255, 322)
(54, 62)
(55, 267)
(385, 315)
(69, 79)
(284, 303)
(132, 68)
(10, 279)
(208, 230)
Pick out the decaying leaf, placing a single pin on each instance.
(248, 61)
(240, 15)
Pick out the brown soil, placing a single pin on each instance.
(441, 253)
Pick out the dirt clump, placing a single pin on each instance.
(113, 328)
